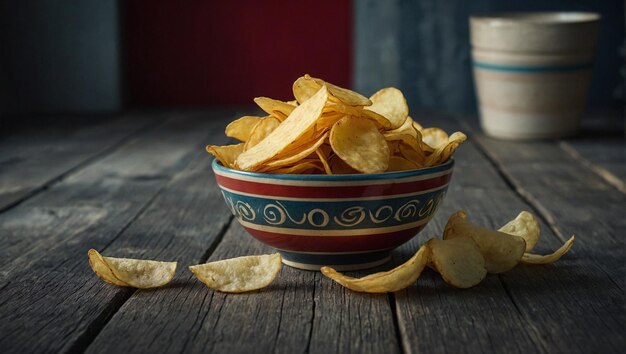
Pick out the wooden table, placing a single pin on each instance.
(139, 185)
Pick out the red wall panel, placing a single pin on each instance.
(228, 52)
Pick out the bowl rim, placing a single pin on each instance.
(217, 166)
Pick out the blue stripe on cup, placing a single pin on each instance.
(528, 69)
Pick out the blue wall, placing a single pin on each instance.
(422, 47)
(59, 56)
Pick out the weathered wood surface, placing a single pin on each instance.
(575, 295)
(48, 301)
(32, 159)
(153, 196)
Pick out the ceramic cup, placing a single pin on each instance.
(532, 71)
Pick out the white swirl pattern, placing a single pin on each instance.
(351, 216)
(277, 214)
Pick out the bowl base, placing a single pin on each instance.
(339, 261)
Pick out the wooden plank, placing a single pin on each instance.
(572, 198)
(34, 158)
(605, 156)
(528, 309)
(576, 305)
(300, 312)
(49, 298)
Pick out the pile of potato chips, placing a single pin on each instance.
(332, 130)
(463, 257)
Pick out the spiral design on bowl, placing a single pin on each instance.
(277, 214)
(407, 210)
(351, 216)
(244, 211)
(325, 217)
(274, 215)
(376, 218)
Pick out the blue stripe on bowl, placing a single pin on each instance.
(349, 214)
(347, 178)
(532, 69)
(334, 259)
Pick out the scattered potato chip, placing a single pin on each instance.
(261, 130)
(530, 258)
(458, 260)
(136, 273)
(278, 109)
(390, 103)
(241, 128)
(359, 143)
(524, 225)
(393, 280)
(501, 251)
(301, 119)
(241, 274)
(226, 154)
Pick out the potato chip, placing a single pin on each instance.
(393, 280)
(416, 125)
(391, 104)
(530, 258)
(279, 109)
(241, 274)
(261, 130)
(501, 251)
(322, 154)
(458, 260)
(306, 86)
(339, 166)
(434, 137)
(524, 225)
(306, 167)
(443, 152)
(295, 157)
(302, 119)
(397, 163)
(241, 128)
(359, 112)
(226, 154)
(406, 128)
(416, 156)
(136, 273)
(359, 143)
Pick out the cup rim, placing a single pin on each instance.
(550, 18)
(217, 166)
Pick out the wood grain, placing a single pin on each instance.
(32, 159)
(50, 299)
(300, 312)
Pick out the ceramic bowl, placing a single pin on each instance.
(348, 222)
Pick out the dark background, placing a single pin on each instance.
(106, 56)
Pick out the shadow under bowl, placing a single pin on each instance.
(349, 222)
